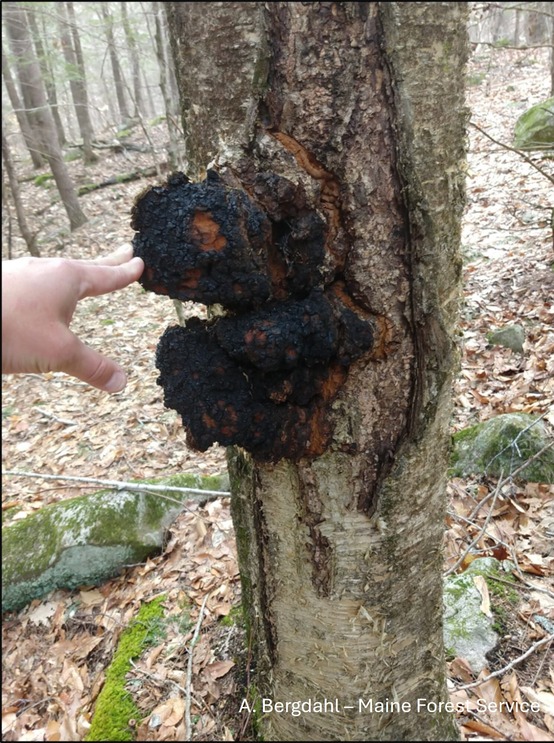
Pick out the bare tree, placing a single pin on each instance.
(47, 76)
(164, 67)
(31, 81)
(116, 67)
(28, 236)
(33, 145)
(342, 127)
(134, 57)
(71, 45)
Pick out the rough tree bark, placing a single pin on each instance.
(340, 549)
(31, 82)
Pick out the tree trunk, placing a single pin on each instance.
(47, 76)
(73, 54)
(116, 68)
(340, 540)
(26, 233)
(552, 56)
(31, 141)
(164, 84)
(20, 39)
(133, 54)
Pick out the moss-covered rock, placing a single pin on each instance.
(468, 632)
(115, 706)
(534, 129)
(89, 539)
(501, 445)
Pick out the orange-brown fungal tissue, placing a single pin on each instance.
(263, 376)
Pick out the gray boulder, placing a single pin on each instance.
(501, 445)
(89, 539)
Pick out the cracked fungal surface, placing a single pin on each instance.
(262, 376)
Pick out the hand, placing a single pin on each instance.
(39, 296)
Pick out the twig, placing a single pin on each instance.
(514, 149)
(161, 683)
(188, 722)
(55, 418)
(118, 485)
(482, 530)
(510, 665)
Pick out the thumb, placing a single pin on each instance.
(93, 368)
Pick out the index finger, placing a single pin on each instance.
(97, 279)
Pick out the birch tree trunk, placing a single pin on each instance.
(341, 551)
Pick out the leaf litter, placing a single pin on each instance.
(56, 651)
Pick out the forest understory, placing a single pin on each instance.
(56, 651)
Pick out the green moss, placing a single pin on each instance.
(115, 706)
(234, 617)
(502, 445)
(40, 180)
(70, 157)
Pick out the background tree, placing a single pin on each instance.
(116, 67)
(35, 96)
(340, 553)
(33, 145)
(134, 57)
(47, 73)
(73, 54)
(27, 235)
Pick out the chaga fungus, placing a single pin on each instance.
(262, 376)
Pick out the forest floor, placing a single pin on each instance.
(56, 650)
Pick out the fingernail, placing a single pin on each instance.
(117, 382)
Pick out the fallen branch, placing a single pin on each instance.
(118, 485)
(514, 149)
(480, 533)
(53, 417)
(135, 175)
(510, 665)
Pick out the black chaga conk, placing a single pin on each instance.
(202, 242)
(262, 376)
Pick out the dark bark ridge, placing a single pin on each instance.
(263, 376)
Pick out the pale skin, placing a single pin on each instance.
(39, 297)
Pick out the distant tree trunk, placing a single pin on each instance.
(135, 65)
(26, 233)
(20, 39)
(536, 25)
(77, 76)
(164, 66)
(339, 540)
(552, 57)
(116, 68)
(517, 29)
(149, 96)
(31, 142)
(47, 75)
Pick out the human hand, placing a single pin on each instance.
(39, 296)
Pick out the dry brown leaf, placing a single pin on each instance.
(481, 585)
